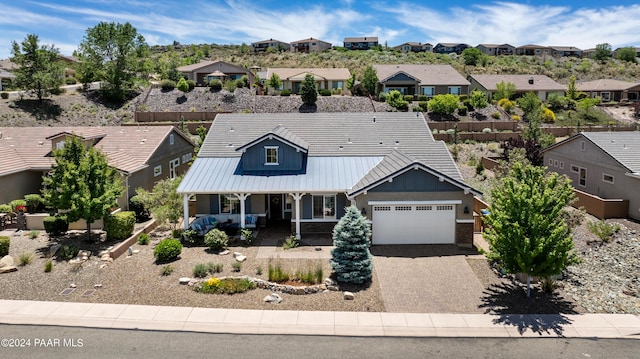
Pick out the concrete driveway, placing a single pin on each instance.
(427, 279)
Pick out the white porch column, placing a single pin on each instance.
(297, 197)
(242, 197)
(185, 207)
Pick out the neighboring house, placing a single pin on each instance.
(5, 77)
(615, 52)
(428, 80)
(326, 78)
(360, 43)
(541, 85)
(588, 52)
(603, 164)
(305, 168)
(310, 45)
(533, 50)
(414, 47)
(565, 51)
(142, 155)
(496, 50)
(611, 90)
(264, 45)
(205, 71)
(449, 48)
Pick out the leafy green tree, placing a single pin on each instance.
(602, 53)
(183, 86)
(531, 105)
(164, 202)
(478, 99)
(40, 69)
(586, 104)
(443, 104)
(572, 91)
(627, 54)
(351, 259)
(396, 100)
(527, 232)
(114, 53)
(471, 56)
(274, 82)
(308, 90)
(351, 82)
(370, 80)
(556, 101)
(81, 184)
(504, 90)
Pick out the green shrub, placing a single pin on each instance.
(225, 286)
(423, 106)
(247, 234)
(167, 85)
(325, 92)
(34, 234)
(408, 98)
(5, 242)
(462, 111)
(230, 85)
(603, 230)
(48, 266)
(67, 252)
(25, 258)
(167, 270)
(191, 84)
(258, 270)
(5, 208)
(120, 225)
(4, 95)
(423, 98)
(214, 267)
(200, 270)
(486, 130)
(167, 250)
(496, 115)
(177, 233)
(216, 240)
(290, 242)
(313, 275)
(285, 93)
(56, 225)
(276, 274)
(34, 202)
(215, 85)
(237, 266)
(17, 203)
(143, 239)
(70, 81)
(137, 206)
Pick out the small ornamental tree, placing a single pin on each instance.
(351, 259)
(472, 56)
(164, 203)
(602, 53)
(183, 86)
(526, 231)
(627, 54)
(308, 90)
(444, 104)
(478, 99)
(275, 82)
(504, 90)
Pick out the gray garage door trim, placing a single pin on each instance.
(413, 222)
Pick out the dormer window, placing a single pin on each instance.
(271, 155)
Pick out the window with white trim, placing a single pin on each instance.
(157, 171)
(583, 177)
(455, 90)
(187, 158)
(173, 164)
(550, 162)
(403, 208)
(606, 96)
(575, 169)
(555, 163)
(561, 165)
(229, 204)
(324, 206)
(271, 155)
(607, 178)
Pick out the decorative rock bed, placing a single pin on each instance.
(282, 288)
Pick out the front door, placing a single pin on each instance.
(275, 206)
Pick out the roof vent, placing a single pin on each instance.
(40, 143)
(374, 119)
(341, 147)
(231, 129)
(349, 140)
(530, 80)
(397, 142)
(230, 145)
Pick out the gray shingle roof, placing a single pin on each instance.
(624, 147)
(284, 135)
(426, 74)
(606, 85)
(540, 82)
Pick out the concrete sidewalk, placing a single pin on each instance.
(237, 321)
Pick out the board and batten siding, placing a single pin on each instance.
(415, 181)
(289, 159)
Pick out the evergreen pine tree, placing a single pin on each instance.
(308, 90)
(351, 259)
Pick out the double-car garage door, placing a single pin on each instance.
(411, 223)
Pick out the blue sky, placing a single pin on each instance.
(578, 23)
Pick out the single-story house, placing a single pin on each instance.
(326, 78)
(142, 155)
(5, 76)
(603, 164)
(496, 50)
(310, 45)
(449, 48)
(615, 52)
(205, 71)
(541, 85)
(264, 45)
(360, 43)
(428, 80)
(305, 168)
(533, 50)
(611, 90)
(565, 51)
(414, 47)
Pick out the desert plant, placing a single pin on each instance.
(48, 266)
(25, 258)
(200, 270)
(548, 284)
(214, 267)
(230, 85)
(177, 232)
(290, 242)
(603, 230)
(4, 95)
(548, 116)
(462, 110)
(167, 250)
(486, 130)
(167, 270)
(34, 234)
(285, 93)
(216, 240)
(67, 252)
(258, 270)
(247, 234)
(237, 266)
(496, 115)
(325, 92)
(276, 273)
(191, 84)
(225, 285)
(167, 85)
(5, 242)
(56, 225)
(119, 225)
(143, 239)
